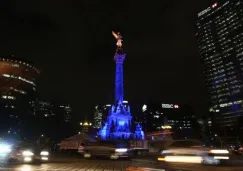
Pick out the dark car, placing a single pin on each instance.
(28, 152)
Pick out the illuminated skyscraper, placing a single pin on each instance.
(49, 109)
(67, 112)
(18, 84)
(100, 115)
(154, 116)
(17, 89)
(220, 42)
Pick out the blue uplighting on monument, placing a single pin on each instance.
(119, 121)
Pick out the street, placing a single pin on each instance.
(76, 163)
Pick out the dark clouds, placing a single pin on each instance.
(71, 41)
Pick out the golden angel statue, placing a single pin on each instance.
(118, 37)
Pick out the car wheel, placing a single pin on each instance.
(87, 155)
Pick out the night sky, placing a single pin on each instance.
(71, 42)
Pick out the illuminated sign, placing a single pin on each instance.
(170, 106)
(215, 5)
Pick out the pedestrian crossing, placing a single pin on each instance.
(108, 165)
(82, 165)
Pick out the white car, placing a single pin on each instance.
(192, 151)
(28, 152)
(106, 149)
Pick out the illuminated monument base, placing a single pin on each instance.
(119, 124)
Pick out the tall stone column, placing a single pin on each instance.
(119, 90)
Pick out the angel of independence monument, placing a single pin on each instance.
(119, 121)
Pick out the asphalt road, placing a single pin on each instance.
(76, 163)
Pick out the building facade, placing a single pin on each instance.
(66, 111)
(17, 90)
(155, 117)
(219, 33)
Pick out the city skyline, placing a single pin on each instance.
(167, 68)
(86, 84)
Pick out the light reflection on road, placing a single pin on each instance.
(108, 165)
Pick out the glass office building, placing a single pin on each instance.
(219, 34)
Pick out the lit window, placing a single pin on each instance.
(144, 108)
(20, 78)
(8, 97)
(15, 65)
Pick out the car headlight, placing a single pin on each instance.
(27, 153)
(4, 148)
(44, 153)
(120, 150)
(219, 151)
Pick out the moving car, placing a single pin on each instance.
(28, 152)
(192, 151)
(106, 149)
(5, 149)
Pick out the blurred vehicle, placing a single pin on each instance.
(106, 149)
(5, 149)
(139, 147)
(28, 152)
(192, 151)
(236, 149)
(73, 143)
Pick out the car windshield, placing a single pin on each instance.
(28, 145)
